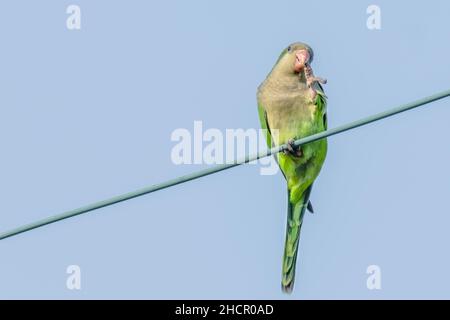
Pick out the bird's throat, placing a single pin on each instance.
(287, 82)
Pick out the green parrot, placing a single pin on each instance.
(292, 105)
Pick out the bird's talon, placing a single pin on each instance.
(311, 81)
(290, 145)
(292, 149)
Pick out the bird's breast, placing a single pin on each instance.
(290, 117)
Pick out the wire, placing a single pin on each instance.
(218, 168)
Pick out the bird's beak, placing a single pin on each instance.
(301, 59)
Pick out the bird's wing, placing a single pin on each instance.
(321, 103)
(265, 125)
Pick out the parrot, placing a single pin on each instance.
(292, 105)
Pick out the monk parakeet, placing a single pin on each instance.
(292, 105)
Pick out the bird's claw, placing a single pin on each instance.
(311, 79)
(292, 149)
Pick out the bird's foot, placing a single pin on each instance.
(292, 149)
(311, 80)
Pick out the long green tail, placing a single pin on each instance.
(294, 224)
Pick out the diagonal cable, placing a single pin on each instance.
(218, 168)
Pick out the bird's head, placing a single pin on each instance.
(294, 58)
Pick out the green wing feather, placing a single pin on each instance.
(265, 125)
(321, 103)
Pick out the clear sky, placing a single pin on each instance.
(88, 114)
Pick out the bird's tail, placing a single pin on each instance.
(294, 223)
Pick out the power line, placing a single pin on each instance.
(218, 168)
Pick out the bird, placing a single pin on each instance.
(292, 105)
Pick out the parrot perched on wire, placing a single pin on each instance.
(292, 105)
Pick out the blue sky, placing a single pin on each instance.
(88, 114)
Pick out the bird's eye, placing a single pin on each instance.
(289, 48)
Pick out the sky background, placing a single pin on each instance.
(87, 114)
